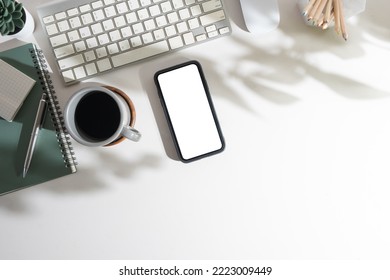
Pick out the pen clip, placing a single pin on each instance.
(42, 115)
(38, 122)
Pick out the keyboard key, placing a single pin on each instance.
(104, 65)
(89, 56)
(175, 42)
(58, 40)
(68, 76)
(103, 39)
(212, 18)
(63, 26)
(108, 25)
(124, 45)
(100, 35)
(122, 8)
(85, 8)
(71, 61)
(170, 31)
(147, 38)
(64, 51)
(73, 36)
(85, 32)
(150, 24)
(212, 34)
(184, 14)
(51, 29)
(115, 35)
(91, 69)
(224, 30)
(211, 5)
(96, 28)
(110, 11)
(48, 19)
(177, 4)
(161, 21)
(188, 38)
(60, 16)
(145, 3)
(138, 54)
(138, 28)
(211, 28)
(159, 34)
(120, 21)
(173, 17)
(86, 18)
(92, 43)
(131, 17)
(80, 46)
(195, 10)
(143, 14)
(98, 15)
(126, 32)
(201, 37)
(193, 23)
(79, 72)
(97, 4)
(133, 4)
(101, 52)
(154, 10)
(112, 48)
(136, 41)
(166, 6)
(75, 22)
(182, 27)
(73, 12)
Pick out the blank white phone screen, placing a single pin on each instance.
(189, 111)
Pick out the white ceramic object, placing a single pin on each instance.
(260, 16)
(351, 7)
(27, 30)
(123, 129)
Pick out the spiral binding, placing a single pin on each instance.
(63, 137)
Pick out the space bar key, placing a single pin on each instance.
(138, 54)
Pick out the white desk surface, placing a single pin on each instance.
(305, 174)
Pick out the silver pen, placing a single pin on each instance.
(38, 122)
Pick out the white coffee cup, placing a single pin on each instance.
(100, 116)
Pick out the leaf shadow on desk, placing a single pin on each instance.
(126, 168)
(93, 177)
(376, 20)
(17, 202)
(14, 203)
(289, 66)
(219, 81)
(88, 179)
(289, 63)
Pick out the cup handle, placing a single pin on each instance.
(131, 133)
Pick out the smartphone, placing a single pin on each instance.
(189, 110)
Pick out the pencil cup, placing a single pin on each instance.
(100, 116)
(350, 8)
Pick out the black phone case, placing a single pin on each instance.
(210, 104)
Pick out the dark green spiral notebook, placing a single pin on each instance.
(53, 155)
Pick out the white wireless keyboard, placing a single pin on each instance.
(92, 37)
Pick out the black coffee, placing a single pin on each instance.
(97, 116)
